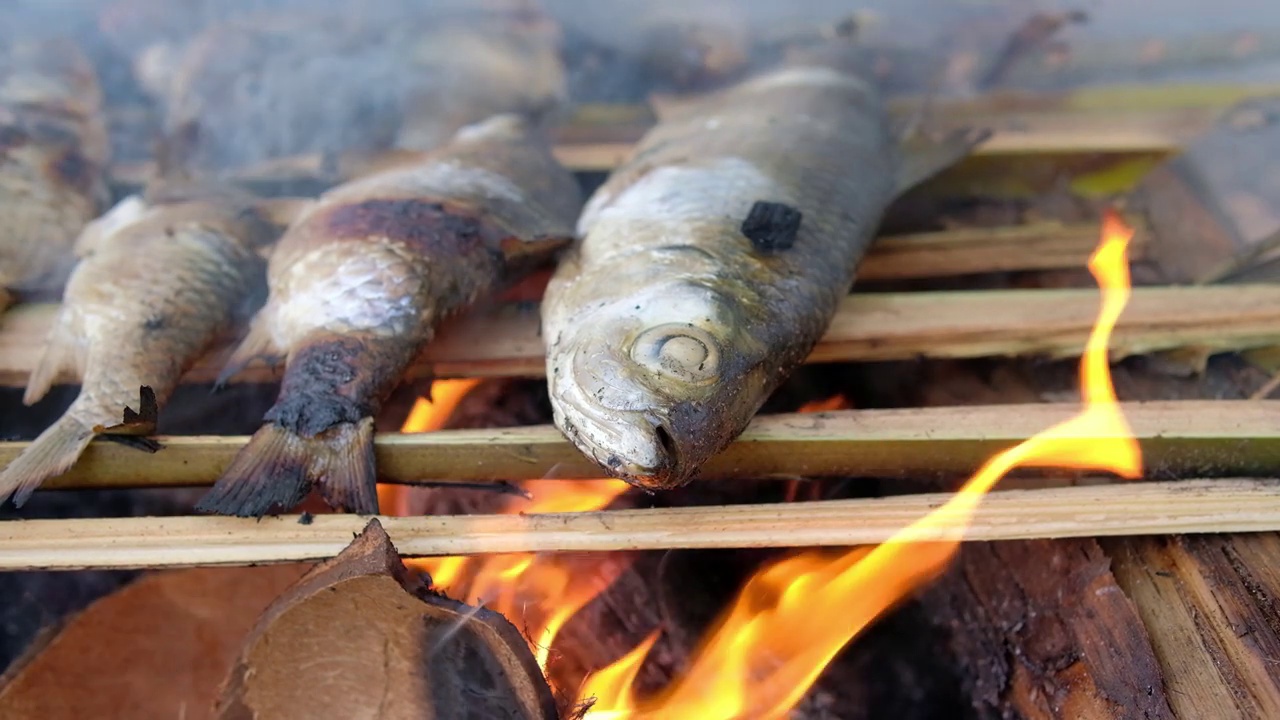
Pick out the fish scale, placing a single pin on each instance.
(157, 284)
(357, 286)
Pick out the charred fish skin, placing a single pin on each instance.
(157, 284)
(53, 156)
(357, 287)
(712, 261)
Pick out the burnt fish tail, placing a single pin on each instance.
(319, 432)
(357, 287)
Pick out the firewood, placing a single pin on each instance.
(158, 647)
(1045, 632)
(1212, 607)
(1143, 508)
(505, 341)
(386, 642)
(1178, 439)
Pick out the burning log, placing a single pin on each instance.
(1178, 439)
(404, 650)
(880, 326)
(1206, 506)
(1212, 607)
(1047, 632)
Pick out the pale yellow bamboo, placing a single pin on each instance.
(505, 341)
(1240, 505)
(1192, 438)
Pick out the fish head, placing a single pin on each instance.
(653, 384)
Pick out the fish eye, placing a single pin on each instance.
(679, 351)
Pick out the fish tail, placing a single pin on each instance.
(52, 453)
(351, 480)
(278, 468)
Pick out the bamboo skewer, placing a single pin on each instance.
(505, 341)
(1191, 506)
(1022, 124)
(1217, 438)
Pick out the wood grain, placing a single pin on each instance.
(505, 340)
(1142, 508)
(1178, 439)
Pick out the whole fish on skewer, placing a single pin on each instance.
(712, 261)
(53, 156)
(357, 286)
(160, 280)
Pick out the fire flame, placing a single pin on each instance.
(427, 415)
(538, 593)
(795, 615)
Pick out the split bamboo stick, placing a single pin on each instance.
(1216, 438)
(1022, 124)
(505, 340)
(1143, 508)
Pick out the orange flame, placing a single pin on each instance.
(533, 591)
(539, 593)
(426, 416)
(795, 615)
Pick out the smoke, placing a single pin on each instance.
(251, 81)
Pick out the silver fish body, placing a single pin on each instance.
(691, 295)
(156, 285)
(357, 287)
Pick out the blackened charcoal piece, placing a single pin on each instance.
(771, 226)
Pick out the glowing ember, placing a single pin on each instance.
(835, 402)
(795, 615)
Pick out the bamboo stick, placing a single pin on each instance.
(1144, 508)
(1216, 438)
(1023, 124)
(505, 341)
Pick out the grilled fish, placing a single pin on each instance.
(357, 286)
(53, 155)
(160, 279)
(714, 258)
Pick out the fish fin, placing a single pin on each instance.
(139, 423)
(1032, 35)
(129, 210)
(521, 253)
(271, 472)
(256, 345)
(282, 211)
(60, 353)
(277, 469)
(6, 299)
(924, 156)
(350, 481)
(50, 455)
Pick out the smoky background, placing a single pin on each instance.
(265, 79)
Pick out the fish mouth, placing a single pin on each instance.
(636, 446)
